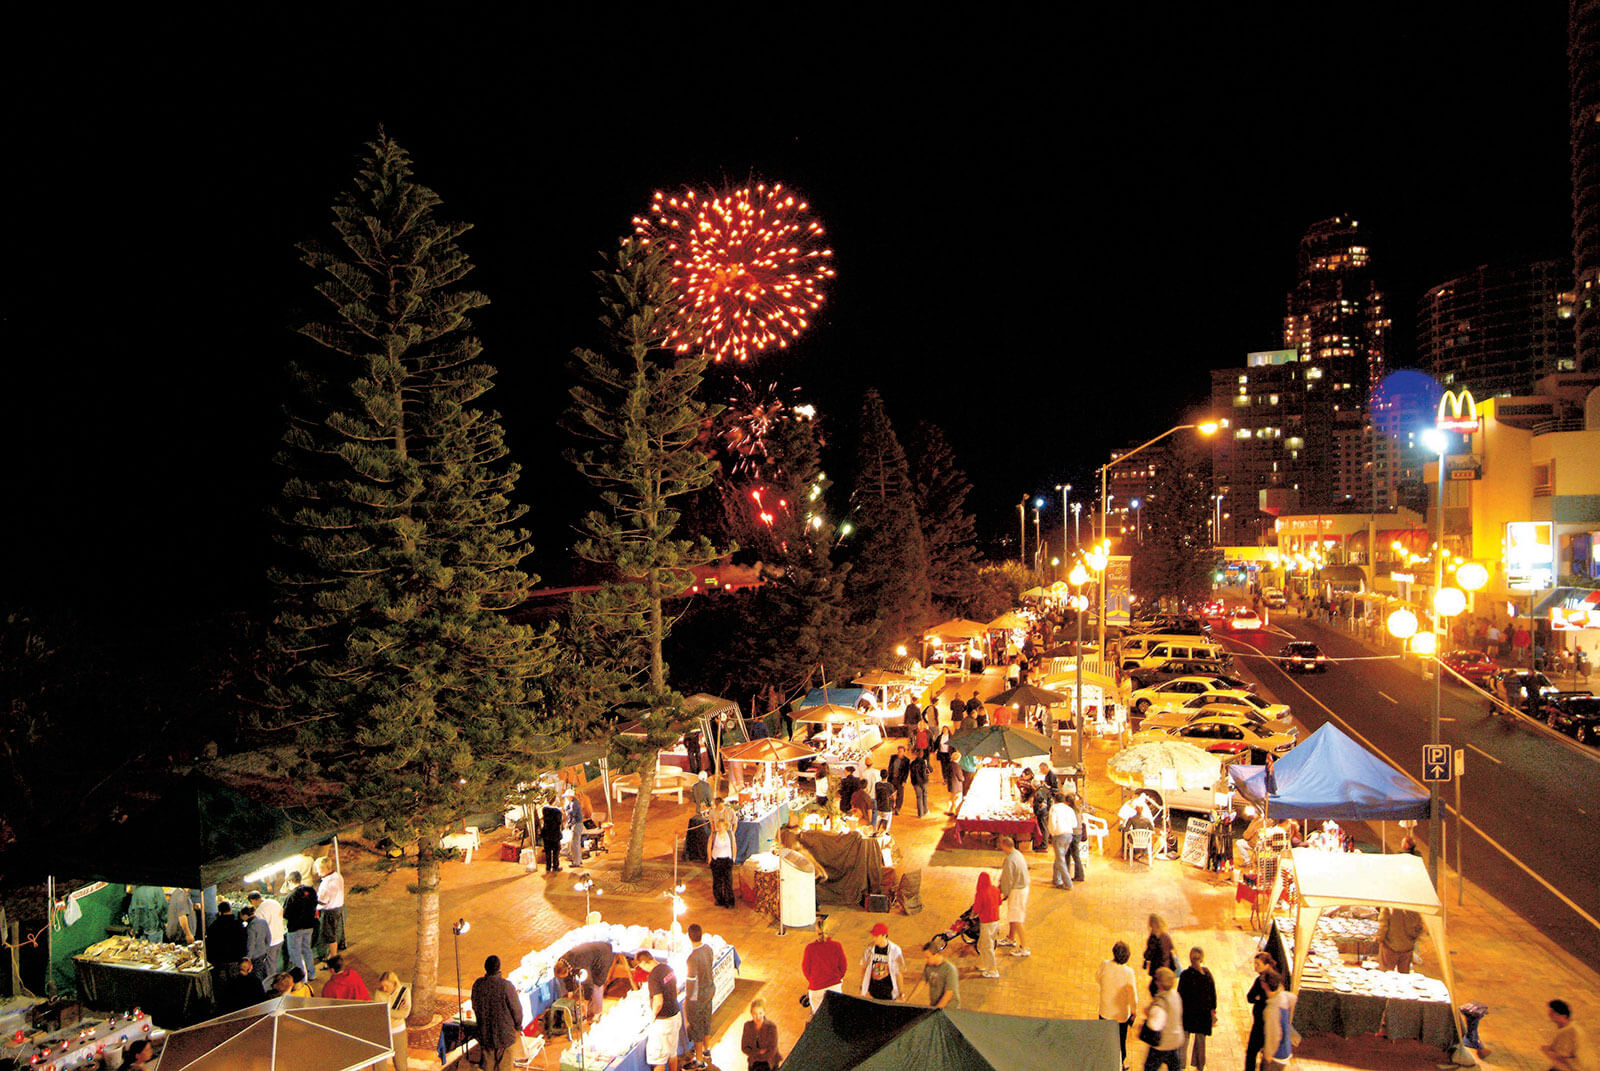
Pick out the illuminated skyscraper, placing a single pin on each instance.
(1498, 329)
(1335, 316)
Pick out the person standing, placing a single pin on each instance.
(330, 906)
(700, 792)
(944, 981)
(1398, 932)
(943, 750)
(918, 776)
(573, 814)
(881, 966)
(911, 716)
(666, 1024)
(986, 906)
(1278, 1016)
(1014, 891)
(147, 912)
(824, 965)
(759, 1042)
(225, 943)
(922, 738)
(819, 777)
(1165, 1016)
(183, 922)
(691, 746)
(550, 822)
(268, 910)
(976, 710)
(697, 998)
(1118, 998)
(1257, 997)
(719, 853)
(258, 944)
(1061, 823)
(1198, 991)
(1158, 951)
(899, 771)
(397, 995)
(499, 1012)
(884, 799)
(300, 925)
(1570, 1048)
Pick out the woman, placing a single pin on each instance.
(137, 1056)
(719, 852)
(924, 736)
(760, 1040)
(1158, 951)
(944, 749)
(1198, 992)
(398, 996)
(1257, 997)
(986, 905)
(1164, 1015)
(1118, 1000)
(819, 775)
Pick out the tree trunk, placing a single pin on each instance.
(633, 864)
(425, 968)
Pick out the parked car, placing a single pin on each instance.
(1273, 598)
(1176, 648)
(1169, 670)
(1575, 713)
(1273, 717)
(1514, 686)
(1233, 735)
(1243, 620)
(1476, 666)
(1302, 656)
(1172, 694)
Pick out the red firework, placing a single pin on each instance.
(749, 263)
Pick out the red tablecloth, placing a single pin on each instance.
(1021, 829)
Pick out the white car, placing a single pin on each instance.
(1244, 621)
(1170, 695)
(1251, 708)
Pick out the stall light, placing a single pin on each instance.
(900, 651)
(1402, 624)
(1425, 643)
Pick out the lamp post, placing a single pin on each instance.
(1077, 508)
(1077, 578)
(1038, 539)
(1205, 428)
(1138, 520)
(1437, 442)
(1022, 531)
(1216, 524)
(461, 926)
(1066, 494)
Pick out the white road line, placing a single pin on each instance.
(1485, 754)
(1390, 698)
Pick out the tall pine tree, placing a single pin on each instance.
(949, 532)
(401, 676)
(637, 407)
(887, 587)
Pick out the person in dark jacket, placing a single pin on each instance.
(1257, 996)
(883, 802)
(1158, 950)
(242, 988)
(550, 822)
(918, 776)
(499, 1012)
(300, 925)
(225, 944)
(1198, 992)
(898, 770)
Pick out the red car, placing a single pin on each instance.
(1476, 666)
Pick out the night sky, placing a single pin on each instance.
(1046, 234)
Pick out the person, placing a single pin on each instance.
(182, 920)
(1408, 846)
(550, 820)
(1198, 991)
(1014, 891)
(1570, 1047)
(299, 988)
(225, 943)
(922, 738)
(1080, 836)
(911, 716)
(1257, 997)
(759, 1043)
(823, 964)
(881, 966)
(861, 801)
(573, 815)
(918, 776)
(1061, 823)
(1165, 1016)
(986, 906)
(691, 745)
(661, 1043)
(962, 716)
(899, 772)
(976, 709)
(884, 798)
(697, 999)
(499, 1011)
(138, 1054)
(1135, 814)
(283, 984)
(330, 906)
(700, 792)
(1278, 1016)
(697, 836)
(258, 944)
(1025, 786)
(1042, 802)
(1118, 998)
(346, 983)
(1158, 950)
(944, 981)
(242, 988)
(147, 912)
(1398, 932)
(847, 787)
(957, 779)
(397, 995)
(595, 959)
(1048, 778)
(943, 749)
(268, 910)
(719, 853)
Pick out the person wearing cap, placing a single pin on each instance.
(1164, 1015)
(881, 966)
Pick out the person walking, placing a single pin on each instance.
(899, 772)
(881, 966)
(759, 1042)
(884, 801)
(1158, 951)
(986, 906)
(1198, 991)
(1118, 998)
(1061, 823)
(661, 1043)
(1278, 1015)
(1257, 998)
(922, 737)
(944, 981)
(1164, 1016)
(697, 998)
(824, 965)
(1570, 1048)
(1014, 891)
(499, 1012)
(719, 853)
(918, 776)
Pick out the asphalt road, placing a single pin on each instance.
(1530, 805)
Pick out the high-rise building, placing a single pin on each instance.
(1583, 94)
(1498, 329)
(1335, 314)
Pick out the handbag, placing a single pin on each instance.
(1148, 1036)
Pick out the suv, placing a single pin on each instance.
(1176, 648)
(1575, 713)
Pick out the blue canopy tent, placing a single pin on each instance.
(1329, 775)
(844, 697)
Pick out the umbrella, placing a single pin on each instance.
(768, 749)
(1195, 766)
(1035, 593)
(1001, 741)
(1027, 695)
(880, 677)
(957, 627)
(1009, 619)
(830, 714)
(287, 1033)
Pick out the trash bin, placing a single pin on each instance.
(797, 896)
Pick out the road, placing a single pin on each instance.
(1529, 803)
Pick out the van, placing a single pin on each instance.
(1140, 645)
(1177, 649)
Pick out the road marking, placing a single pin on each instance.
(1485, 754)
(1390, 698)
(1470, 824)
(1447, 719)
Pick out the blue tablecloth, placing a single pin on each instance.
(752, 838)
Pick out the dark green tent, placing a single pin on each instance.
(856, 1034)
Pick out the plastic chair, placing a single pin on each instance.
(1098, 829)
(1139, 840)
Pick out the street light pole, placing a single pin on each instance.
(1066, 493)
(1077, 508)
(1038, 537)
(1138, 520)
(1022, 531)
(1438, 442)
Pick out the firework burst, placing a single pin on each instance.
(751, 414)
(749, 263)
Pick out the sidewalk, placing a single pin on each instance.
(1499, 958)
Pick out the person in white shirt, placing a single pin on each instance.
(1062, 827)
(330, 906)
(268, 910)
(1278, 1017)
(1118, 998)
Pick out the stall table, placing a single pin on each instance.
(981, 810)
(758, 834)
(170, 998)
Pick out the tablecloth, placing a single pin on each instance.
(1351, 1014)
(758, 835)
(171, 998)
(1020, 829)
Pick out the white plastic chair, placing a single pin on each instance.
(1098, 829)
(1138, 840)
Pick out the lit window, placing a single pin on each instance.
(1313, 373)
(1272, 399)
(1242, 433)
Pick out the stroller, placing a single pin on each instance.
(965, 928)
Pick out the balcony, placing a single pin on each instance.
(1545, 427)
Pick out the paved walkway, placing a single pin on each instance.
(1499, 959)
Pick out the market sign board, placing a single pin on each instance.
(1530, 555)
(1458, 411)
(1119, 596)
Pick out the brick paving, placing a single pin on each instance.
(1499, 958)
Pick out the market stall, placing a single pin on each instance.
(170, 983)
(764, 801)
(843, 735)
(854, 865)
(1329, 775)
(991, 805)
(957, 644)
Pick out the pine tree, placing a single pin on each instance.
(400, 673)
(1175, 558)
(637, 406)
(949, 532)
(887, 587)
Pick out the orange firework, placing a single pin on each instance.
(749, 263)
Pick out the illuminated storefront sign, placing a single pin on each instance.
(1458, 411)
(1530, 556)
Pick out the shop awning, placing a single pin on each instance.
(1566, 599)
(1345, 576)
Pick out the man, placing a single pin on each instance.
(574, 823)
(225, 943)
(661, 1043)
(1061, 823)
(300, 925)
(881, 966)
(147, 910)
(691, 745)
(960, 715)
(883, 803)
(258, 944)
(1048, 778)
(1118, 998)
(595, 958)
(697, 1001)
(499, 1012)
(899, 771)
(330, 906)
(550, 822)
(1398, 932)
(847, 787)
(242, 988)
(918, 776)
(1014, 893)
(913, 716)
(944, 981)
(824, 965)
(268, 910)
(1570, 1048)
(345, 983)
(182, 921)
(700, 792)
(976, 709)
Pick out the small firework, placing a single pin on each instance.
(750, 416)
(748, 262)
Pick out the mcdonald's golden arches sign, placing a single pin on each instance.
(1458, 411)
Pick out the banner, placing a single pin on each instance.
(1119, 596)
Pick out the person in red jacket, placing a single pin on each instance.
(986, 904)
(345, 984)
(824, 965)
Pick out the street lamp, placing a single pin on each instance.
(1077, 578)
(1038, 539)
(1437, 442)
(1138, 519)
(461, 926)
(1206, 427)
(1066, 494)
(1022, 529)
(1077, 508)
(1216, 524)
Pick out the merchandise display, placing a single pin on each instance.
(993, 805)
(87, 1044)
(132, 952)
